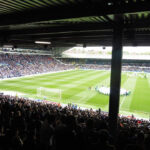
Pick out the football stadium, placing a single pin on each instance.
(78, 86)
(75, 74)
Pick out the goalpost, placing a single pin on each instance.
(49, 93)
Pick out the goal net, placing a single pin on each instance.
(49, 93)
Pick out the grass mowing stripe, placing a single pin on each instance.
(141, 102)
(107, 84)
(31, 86)
(126, 100)
(85, 95)
(76, 82)
(54, 80)
(99, 100)
(66, 84)
(35, 82)
(84, 81)
(33, 76)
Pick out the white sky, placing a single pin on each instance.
(138, 49)
(133, 52)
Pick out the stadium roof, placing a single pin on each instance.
(66, 23)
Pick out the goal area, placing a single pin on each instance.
(49, 93)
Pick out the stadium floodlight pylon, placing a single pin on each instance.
(49, 93)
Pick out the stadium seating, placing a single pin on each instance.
(26, 124)
(15, 65)
(129, 65)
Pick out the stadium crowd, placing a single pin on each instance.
(91, 64)
(15, 65)
(26, 124)
(126, 67)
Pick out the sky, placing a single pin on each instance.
(137, 49)
(131, 52)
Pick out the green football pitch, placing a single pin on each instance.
(74, 86)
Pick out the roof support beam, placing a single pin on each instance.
(115, 75)
(96, 8)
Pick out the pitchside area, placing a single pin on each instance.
(78, 87)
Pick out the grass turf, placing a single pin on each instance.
(74, 86)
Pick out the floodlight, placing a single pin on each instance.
(8, 46)
(42, 42)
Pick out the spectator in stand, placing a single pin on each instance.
(35, 125)
(15, 65)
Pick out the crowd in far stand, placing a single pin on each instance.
(14, 65)
(94, 66)
(138, 67)
(26, 124)
(125, 67)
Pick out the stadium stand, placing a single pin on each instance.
(126, 67)
(26, 124)
(104, 64)
(15, 65)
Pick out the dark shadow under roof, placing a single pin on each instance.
(67, 23)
